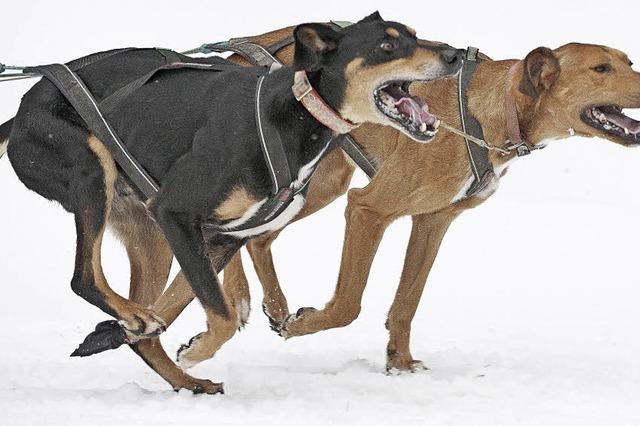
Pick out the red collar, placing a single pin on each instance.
(510, 109)
(313, 102)
(516, 141)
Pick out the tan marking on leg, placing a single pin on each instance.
(134, 316)
(238, 202)
(174, 299)
(392, 32)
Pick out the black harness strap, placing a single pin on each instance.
(481, 167)
(255, 54)
(271, 144)
(359, 156)
(74, 89)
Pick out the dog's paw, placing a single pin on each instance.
(140, 323)
(201, 386)
(397, 367)
(274, 324)
(182, 356)
(289, 321)
(107, 335)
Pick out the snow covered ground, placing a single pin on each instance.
(540, 328)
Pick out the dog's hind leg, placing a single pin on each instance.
(95, 195)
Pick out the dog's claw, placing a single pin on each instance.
(107, 335)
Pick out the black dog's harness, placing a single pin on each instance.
(65, 78)
(266, 57)
(92, 112)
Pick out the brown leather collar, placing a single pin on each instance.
(313, 102)
(516, 141)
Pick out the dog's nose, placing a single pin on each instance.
(452, 56)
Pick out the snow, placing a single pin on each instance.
(529, 317)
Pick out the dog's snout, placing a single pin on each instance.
(452, 57)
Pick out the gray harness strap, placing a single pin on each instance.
(252, 52)
(481, 167)
(271, 144)
(76, 92)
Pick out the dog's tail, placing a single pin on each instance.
(5, 132)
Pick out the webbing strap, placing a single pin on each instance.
(271, 144)
(481, 166)
(252, 52)
(76, 92)
(355, 151)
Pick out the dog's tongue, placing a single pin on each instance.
(623, 121)
(416, 109)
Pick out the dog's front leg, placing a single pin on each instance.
(364, 230)
(183, 232)
(426, 235)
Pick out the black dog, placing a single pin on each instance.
(195, 133)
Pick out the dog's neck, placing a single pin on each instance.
(302, 135)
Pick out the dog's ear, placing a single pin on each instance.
(313, 41)
(375, 16)
(541, 69)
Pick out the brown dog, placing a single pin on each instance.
(575, 89)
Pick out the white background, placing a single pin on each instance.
(531, 311)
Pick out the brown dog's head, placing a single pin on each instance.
(581, 89)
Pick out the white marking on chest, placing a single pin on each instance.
(274, 224)
(306, 170)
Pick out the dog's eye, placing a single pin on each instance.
(602, 68)
(386, 46)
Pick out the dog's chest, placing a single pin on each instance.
(285, 216)
(489, 189)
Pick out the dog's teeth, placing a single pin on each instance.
(436, 124)
(626, 131)
(423, 127)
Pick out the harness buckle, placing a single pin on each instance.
(472, 54)
(522, 150)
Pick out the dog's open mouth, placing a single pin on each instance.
(410, 112)
(611, 120)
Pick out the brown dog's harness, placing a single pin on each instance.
(477, 148)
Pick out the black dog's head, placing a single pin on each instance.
(365, 71)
